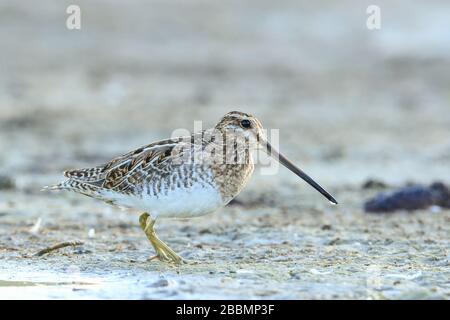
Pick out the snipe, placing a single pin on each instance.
(181, 177)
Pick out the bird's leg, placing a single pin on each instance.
(163, 252)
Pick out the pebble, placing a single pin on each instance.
(91, 233)
(160, 283)
(374, 184)
(6, 183)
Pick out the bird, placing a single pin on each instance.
(181, 177)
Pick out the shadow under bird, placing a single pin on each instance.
(181, 177)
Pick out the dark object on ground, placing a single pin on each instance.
(235, 202)
(374, 184)
(258, 201)
(6, 183)
(410, 198)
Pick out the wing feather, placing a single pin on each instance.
(129, 168)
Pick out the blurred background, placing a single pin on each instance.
(351, 104)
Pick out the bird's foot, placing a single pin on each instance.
(164, 258)
(163, 252)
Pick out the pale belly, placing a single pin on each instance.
(178, 203)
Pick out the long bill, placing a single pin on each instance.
(288, 164)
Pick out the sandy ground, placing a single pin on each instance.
(351, 105)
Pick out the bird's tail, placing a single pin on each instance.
(65, 185)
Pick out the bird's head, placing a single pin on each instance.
(243, 125)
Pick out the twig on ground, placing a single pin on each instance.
(58, 246)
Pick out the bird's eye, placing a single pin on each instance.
(246, 123)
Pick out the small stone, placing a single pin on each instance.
(160, 283)
(204, 231)
(82, 251)
(91, 233)
(333, 241)
(6, 183)
(374, 184)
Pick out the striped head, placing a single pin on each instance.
(243, 125)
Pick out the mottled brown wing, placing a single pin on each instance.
(127, 169)
(86, 174)
(127, 172)
(157, 160)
